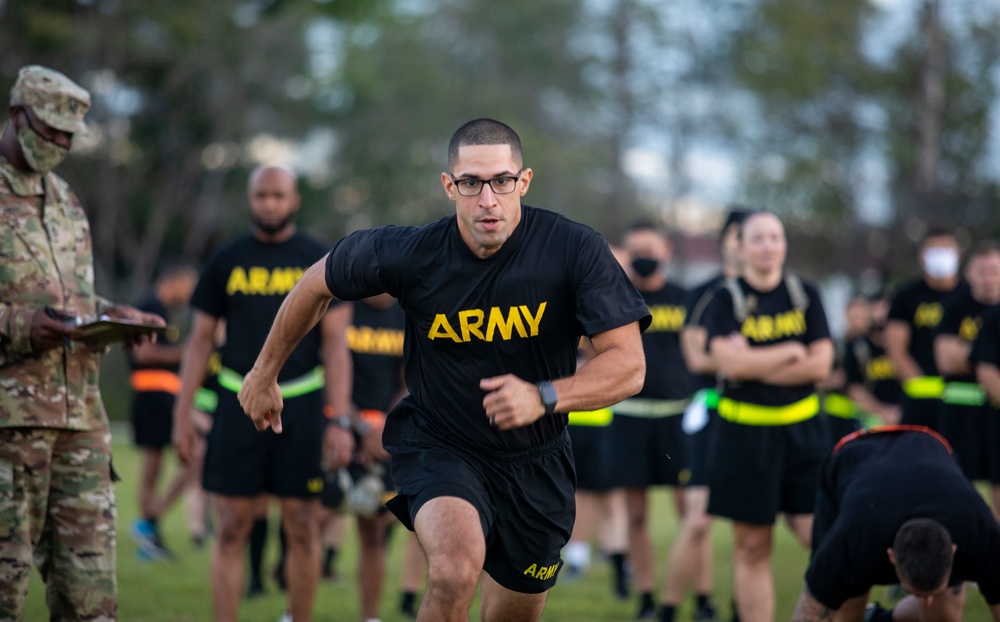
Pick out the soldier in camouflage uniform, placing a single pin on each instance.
(57, 505)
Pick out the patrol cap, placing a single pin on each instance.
(55, 99)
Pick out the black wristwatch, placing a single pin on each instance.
(549, 396)
(342, 421)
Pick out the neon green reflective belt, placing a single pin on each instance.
(206, 400)
(924, 387)
(599, 418)
(312, 381)
(754, 414)
(649, 408)
(711, 398)
(839, 405)
(963, 394)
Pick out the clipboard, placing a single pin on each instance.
(105, 330)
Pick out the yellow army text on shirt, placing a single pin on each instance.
(46, 259)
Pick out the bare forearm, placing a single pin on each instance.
(808, 609)
(897, 342)
(339, 378)
(696, 357)
(615, 373)
(814, 368)
(193, 366)
(753, 363)
(155, 354)
(301, 310)
(865, 399)
(988, 375)
(952, 355)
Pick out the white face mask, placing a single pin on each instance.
(940, 263)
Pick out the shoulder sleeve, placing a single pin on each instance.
(718, 318)
(604, 296)
(984, 348)
(353, 267)
(210, 294)
(900, 308)
(816, 325)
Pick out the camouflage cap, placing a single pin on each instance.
(55, 99)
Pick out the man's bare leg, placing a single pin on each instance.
(451, 534)
(149, 475)
(687, 565)
(300, 520)
(801, 526)
(753, 585)
(502, 605)
(235, 519)
(372, 533)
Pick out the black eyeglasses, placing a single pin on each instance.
(499, 185)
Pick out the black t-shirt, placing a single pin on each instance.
(986, 348)
(151, 304)
(866, 364)
(520, 311)
(376, 341)
(920, 308)
(666, 374)
(874, 484)
(771, 319)
(697, 301)
(962, 317)
(245, 282)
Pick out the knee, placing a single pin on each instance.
(234, 530)
(698, 526)
(754, 548)
(453, 576)
(300, 531)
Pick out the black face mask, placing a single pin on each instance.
(644, 266)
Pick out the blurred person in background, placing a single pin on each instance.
(690, 561)
(245, 283)
(155, 384)
(965, 416)
(57, 502)
(842, 414)
(914, 315)
(985, 357)
(768, 334)
(650, 447)
(871, 379)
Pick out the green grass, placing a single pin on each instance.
(178, 591)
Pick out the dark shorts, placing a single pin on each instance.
(649, 451)
(593, 455)
(762, 470)
(525, 501)
(242, 462)
(701, 452)
(839, 427)
(920, 411)
(152, 418)
(974, 435)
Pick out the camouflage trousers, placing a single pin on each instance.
(57, 506)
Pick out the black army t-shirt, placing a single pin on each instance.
(245, 283)
(666, 374)
(921, 308)
(986, 347)
(866, 364)
(375, 337)
(772, 318)
(962, 317)
(874, 484)
(697, 301)
(520, 311)
(151, 304)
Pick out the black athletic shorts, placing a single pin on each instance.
(242, 462)
(973, 434)
(700, 452)
(839, 427)
(524, 499)
(152, 418)
(762, 470)
(649, 451)
(920, 411)
(593, 456)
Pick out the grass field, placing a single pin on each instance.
(178, 591)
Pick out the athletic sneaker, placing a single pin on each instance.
(704, 612)
(150, 545)
(285, 617)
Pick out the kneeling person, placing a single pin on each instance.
(894, 507)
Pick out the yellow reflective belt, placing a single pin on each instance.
(599, 418)
(754, 414)
(924, 387)
(649, 408)
(963, 394)
(839, 405)
(312, 381)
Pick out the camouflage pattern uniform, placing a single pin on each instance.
(57, 504)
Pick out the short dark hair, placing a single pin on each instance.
(988, 247)
(484, 132)
(734, 218)
(938, 232)
(923, 551)
(173, 267)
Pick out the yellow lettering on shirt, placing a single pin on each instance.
(258, 281)
(969, 328)
(368, 340)
(880, 368)
(763, 328)
(927, 315)
(519, 321)
(666, 318)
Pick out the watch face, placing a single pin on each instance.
(549, 396)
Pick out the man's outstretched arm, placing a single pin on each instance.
(302, 309)
(808, 609)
